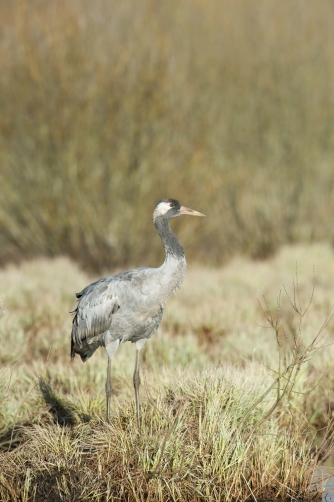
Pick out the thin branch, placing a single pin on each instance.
(288, 297)
(313, 288)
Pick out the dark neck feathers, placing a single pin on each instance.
(170, 242)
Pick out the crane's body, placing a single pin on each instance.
(128, 306)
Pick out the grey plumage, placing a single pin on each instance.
(128, 306)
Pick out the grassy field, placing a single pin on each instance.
(211, 431)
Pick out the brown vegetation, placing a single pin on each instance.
(105, 107)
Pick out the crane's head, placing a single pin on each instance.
(171, 208)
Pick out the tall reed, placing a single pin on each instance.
(106, 107)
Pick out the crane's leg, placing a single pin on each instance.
(108, 389)
(136, 383)
(136, 378)
(111, 346)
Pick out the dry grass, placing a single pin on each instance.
(202, 373)
(107, 107)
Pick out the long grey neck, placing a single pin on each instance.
(173, 270)
(172, 246)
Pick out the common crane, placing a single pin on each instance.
(128, 306)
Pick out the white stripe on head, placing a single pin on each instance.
(161, 209)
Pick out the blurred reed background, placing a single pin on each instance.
(106, 107)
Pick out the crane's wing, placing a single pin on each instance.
(132, 291)
(94, 312)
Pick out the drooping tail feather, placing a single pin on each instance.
(72, 349)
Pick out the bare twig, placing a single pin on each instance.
(300, 354)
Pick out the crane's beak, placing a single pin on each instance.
(191, 212)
